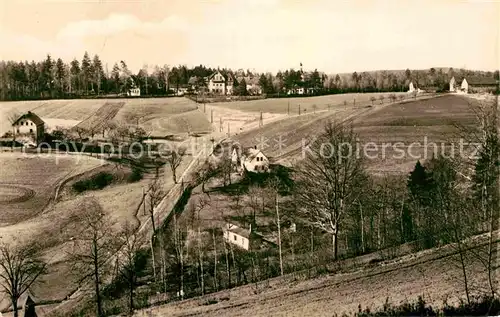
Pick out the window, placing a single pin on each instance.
(31, 130)
(31, 123)
(22, 122)
(256, 167)
(235, 238)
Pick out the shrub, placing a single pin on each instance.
(135, 176)
(98, 181)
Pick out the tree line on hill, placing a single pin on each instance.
(54, 78)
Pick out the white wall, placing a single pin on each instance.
(24, 126)
(236, 239)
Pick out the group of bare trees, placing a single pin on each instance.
(445, 200)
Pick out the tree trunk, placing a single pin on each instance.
(362, 229)
(403, 239)
(228, 267)
(201, 263)
(215, 262)
(14, 306)
(462, 263)
(97, 281)
(279, 234)
(378, 233)
(153, 257)
(174, 176)
(335, 241)
(232, 253)
(131, 296)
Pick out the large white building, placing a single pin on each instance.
(217, 83)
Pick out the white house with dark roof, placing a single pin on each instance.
(250, 160)
(29, 128)
(473, 85)
(246, 239)
(237, 236)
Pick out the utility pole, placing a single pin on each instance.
(288, 110)
(261, 121)
(204, 108)
(228, 130)
(212, 116)
(299, 109)
(220, 124)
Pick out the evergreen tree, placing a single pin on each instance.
(98, 72)
(86, 71)
(74, 71)
(60, 76)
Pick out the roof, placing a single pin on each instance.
(477, 81)
(215, 73)
(31, 116)
(251, 153)
(240, 231)
(482, 81)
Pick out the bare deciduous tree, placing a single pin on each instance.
(93, 247)
(155, 195)
(129, 268)
(329, 179)
(174, 161)
(20, 268)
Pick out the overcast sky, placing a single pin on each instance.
(265, 35)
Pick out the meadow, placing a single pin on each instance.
(435, 120)
(159, 116)
(307, 104)
(28, 181)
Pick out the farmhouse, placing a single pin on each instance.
(296, 91)
(473, 85)
(245, 239)
(250, 160)
(134, 92)
(29, 128)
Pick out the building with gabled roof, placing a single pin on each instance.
(249, 159)
(219, 83)
(246, 239)
(28, 128)
(473, 84)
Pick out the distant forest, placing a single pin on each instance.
(55, 78)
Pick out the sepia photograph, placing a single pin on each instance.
(220, 158)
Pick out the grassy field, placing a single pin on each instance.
(29, 180)
(418, 124)
(432, 119)
(307, 104)
(159, 116)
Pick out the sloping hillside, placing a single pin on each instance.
(433, 274)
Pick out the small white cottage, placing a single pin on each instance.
(250, 160)
(28, 128)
